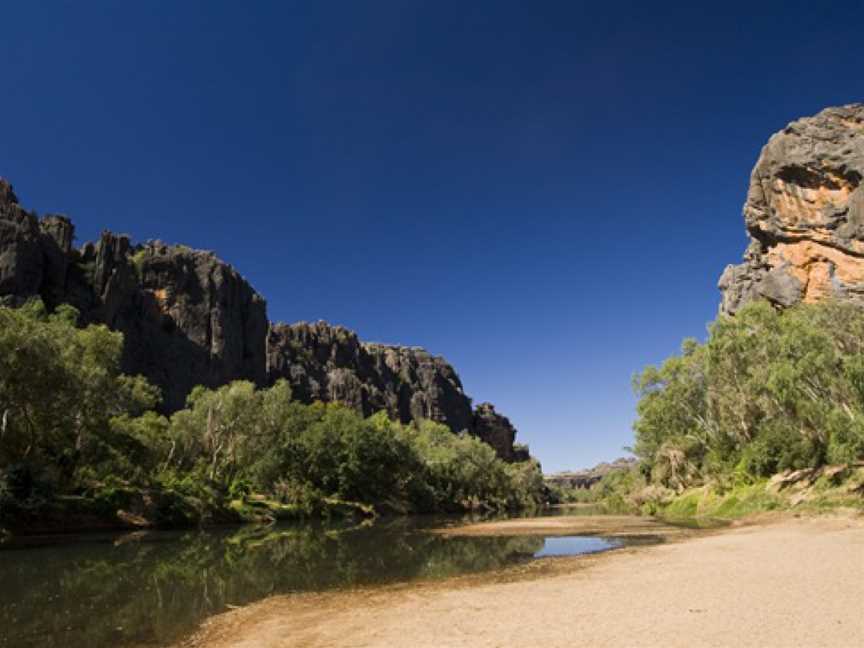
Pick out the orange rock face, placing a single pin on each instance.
(817, 266)
(805, 215)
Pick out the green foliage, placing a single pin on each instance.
(769, 391)
(60, 386)
(462, 472)
(72, 425)
(618, 491)
(138, 259)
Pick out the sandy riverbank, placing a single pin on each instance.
(792, 582)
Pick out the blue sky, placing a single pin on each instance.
(544, 193)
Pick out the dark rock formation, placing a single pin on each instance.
(21, 261)
(187, 317)
(56, 238)
(190, 319)
(496, 430)
(805, 215)
(590, 476)
(327, 363)
(426, 386)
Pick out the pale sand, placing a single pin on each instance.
(607, 525)
(796, 582)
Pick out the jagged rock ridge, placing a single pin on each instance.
(190, 319)
(496, 430)
(327, 363)
(805, 215)
(187, 318)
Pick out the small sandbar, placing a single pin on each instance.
(573, 525)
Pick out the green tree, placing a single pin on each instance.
(769, 390)
(60, 386)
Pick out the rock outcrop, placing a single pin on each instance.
(496, 430)
(33, 254)
(329, 363)
(187, 318)
(326, 363)
(190, 319)
(805, 215)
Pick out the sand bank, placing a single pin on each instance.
(794, 582)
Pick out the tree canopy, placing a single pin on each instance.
(72, 424)
(768, 391)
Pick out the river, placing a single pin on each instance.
(151, 588)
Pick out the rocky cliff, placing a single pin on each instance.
(190, 319)
(327, 363)
(805, 215)
(496, 430)
(187, 318)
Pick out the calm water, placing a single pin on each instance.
(575, 545)
(150, 589)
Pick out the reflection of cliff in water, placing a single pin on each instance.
(150, 589)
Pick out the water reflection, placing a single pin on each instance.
(576, 545)
(151, 588)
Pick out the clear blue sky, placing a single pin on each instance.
(545, 193)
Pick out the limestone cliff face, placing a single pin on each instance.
(496, 430)
(329, 363)
(33, 254)
(805, 215)
(190, 319)
(187, 318)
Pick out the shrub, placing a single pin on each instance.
(70, 422)
(768, 391)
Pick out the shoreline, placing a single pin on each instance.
(566, 525)
(771, 581)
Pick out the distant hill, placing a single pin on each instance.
(589, 476)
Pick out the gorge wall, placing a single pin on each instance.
(190, 319)
(805, 215)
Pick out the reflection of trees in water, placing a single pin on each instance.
(92, 594)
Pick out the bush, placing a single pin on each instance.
(71, 423)
(768, 391)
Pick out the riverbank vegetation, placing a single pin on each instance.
(767, 413)
(81, 441)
